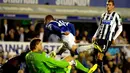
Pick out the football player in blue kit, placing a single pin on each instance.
(66, 32)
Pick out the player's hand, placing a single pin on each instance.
(72, 62)
(93, 39)
(113, 42)
(66, 33)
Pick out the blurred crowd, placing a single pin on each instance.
(117, 59)
(10, 32)
(20, 33)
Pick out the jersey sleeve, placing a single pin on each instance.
(119, 25)
(51, 62)
(54, 28)
(118, 20)
(72, 28)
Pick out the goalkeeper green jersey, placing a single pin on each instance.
(39, 62)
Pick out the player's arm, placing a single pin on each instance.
(97, 31)
(119, 25)
(54, 28)
(71, 26)
(52, 63)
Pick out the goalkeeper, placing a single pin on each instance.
(39, 62)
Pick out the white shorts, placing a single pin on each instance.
(69, 39)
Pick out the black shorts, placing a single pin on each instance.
(104, 44)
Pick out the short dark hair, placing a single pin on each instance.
(49, 17)
(112, 1)
(34, 42)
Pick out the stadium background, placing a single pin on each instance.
(85, 14)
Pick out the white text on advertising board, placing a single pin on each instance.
(73, 2)
(21, 1)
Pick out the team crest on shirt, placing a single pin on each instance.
(106, 22)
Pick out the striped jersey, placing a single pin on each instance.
(108, 25)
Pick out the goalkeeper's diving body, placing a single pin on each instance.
(39, 62)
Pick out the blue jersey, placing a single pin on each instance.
(69, 25)
(59, 27)
(71, 28)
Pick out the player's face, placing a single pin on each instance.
(110, 6)
(39, 46)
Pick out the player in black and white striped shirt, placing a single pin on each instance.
(108, 24)
(106, 32)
